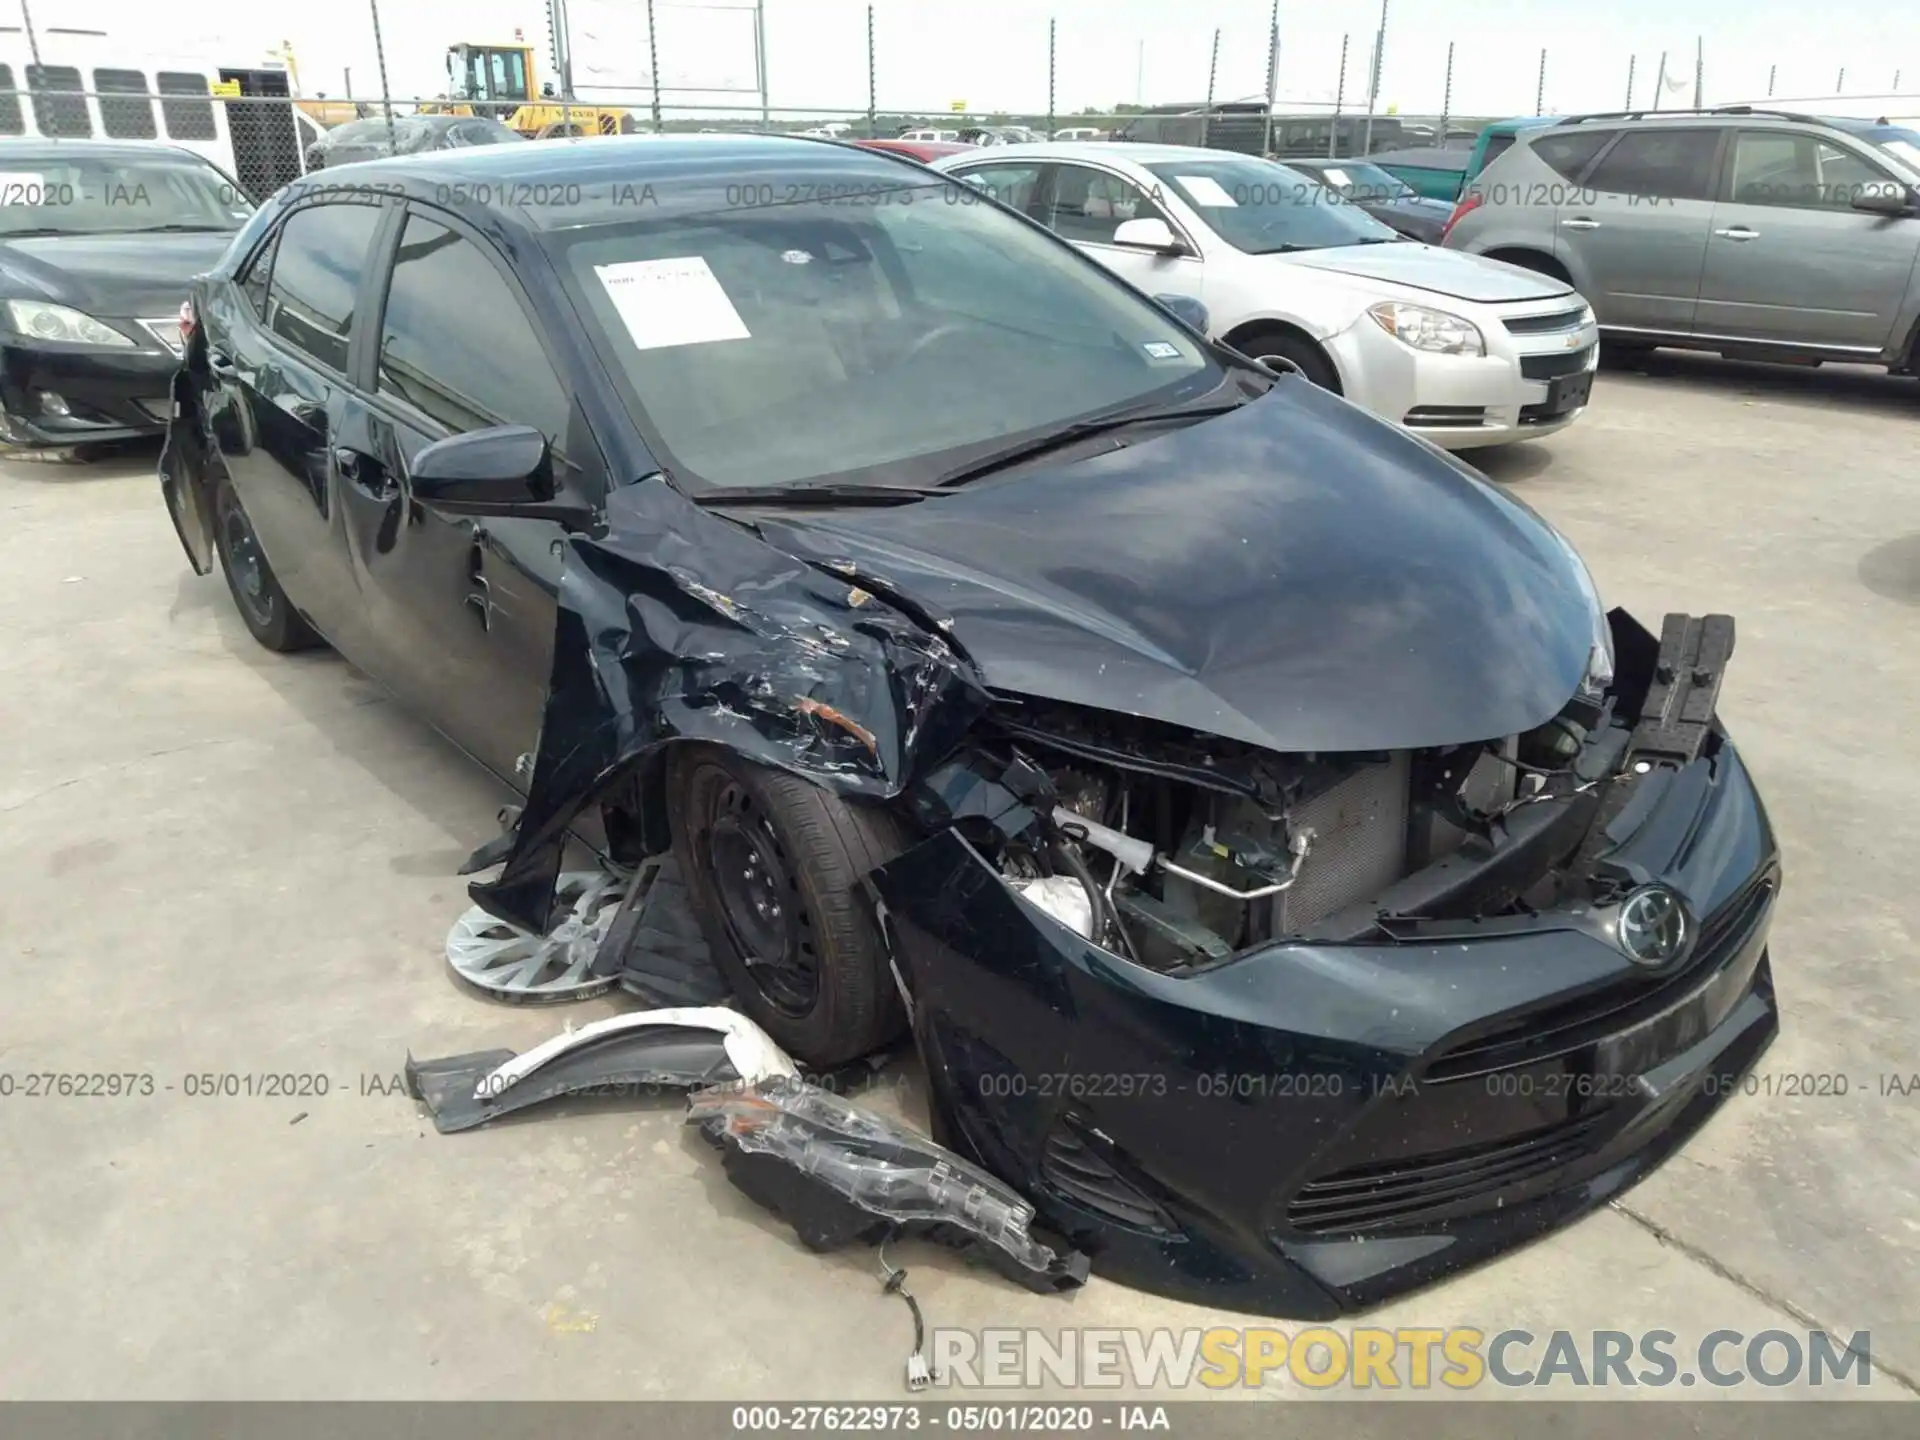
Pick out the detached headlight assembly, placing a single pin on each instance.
(42, 321)
(1434, 331)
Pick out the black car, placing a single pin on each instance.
(97, 245)
(375, 137)
(1294, 881)
(1387, 198)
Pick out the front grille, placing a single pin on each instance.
(1542, 1034)
(1073, 1169)
(1445, 416)
(1545, 324)
(1553, 366)
(1361, 1198)
(1359, 842)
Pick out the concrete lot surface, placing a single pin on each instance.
(221, 861)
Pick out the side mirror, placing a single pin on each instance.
(1185, 308)
(1886, 199)
(503, 470)
(1152, 234)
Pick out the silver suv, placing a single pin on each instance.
(1748, 232)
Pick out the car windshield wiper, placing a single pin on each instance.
(1286, 247)
(1078, 430)
(1381, 240)
(821, 493)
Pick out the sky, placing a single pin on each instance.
(993, 54)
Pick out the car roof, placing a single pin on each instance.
(490, 174)
(1139, 152)
(1431, 158)
(37, 148)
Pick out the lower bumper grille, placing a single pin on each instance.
(1072, 1168)
(1374, 1197)
(1553, 366)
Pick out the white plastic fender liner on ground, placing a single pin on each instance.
(750, 1049)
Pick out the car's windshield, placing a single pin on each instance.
(1903, 145)
(1264, 208)
(1358, 181)
(110, 195)
(880, 325)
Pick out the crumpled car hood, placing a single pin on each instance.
(1294, 575)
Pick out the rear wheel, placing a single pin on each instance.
(264, 608)
(774, 866)
(1290, 353)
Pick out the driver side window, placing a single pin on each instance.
(1089, 205)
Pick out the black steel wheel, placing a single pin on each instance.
(774, 866)
(269, 616)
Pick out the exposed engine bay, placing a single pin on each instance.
(1178, 850)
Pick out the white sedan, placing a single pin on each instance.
(1463, 350)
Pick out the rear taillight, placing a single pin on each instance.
(1465, 205)
(187, 322)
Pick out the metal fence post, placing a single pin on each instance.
(1540, 87)
(1339, 99)
(653, 66)
(1050, 71)
(1699, 72)
(1630, 63)
(1840, 84)
(872, 83)
(1773, 70)
(1446, 97)
(33, 40)
(1373, 81)
(1213, 70)
(1273, 76)
(1660, 81)
(380, 55)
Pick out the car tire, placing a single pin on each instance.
(1288, 352)
(264, 608)
(774, 866)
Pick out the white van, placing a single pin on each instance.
(88, 88)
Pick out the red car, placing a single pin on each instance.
(925, 151)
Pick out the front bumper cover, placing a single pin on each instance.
(1309, 1128)
(112, 394)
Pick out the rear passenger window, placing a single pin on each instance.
(253, 280)
(1664, 164)
(59, 106)
(125, 111)
(1497, 146)
(11, 122)
(1571, 153)
(321, 254)
(455, 344)
(187, 119)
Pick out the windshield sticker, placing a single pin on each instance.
(795, 257)
(1336, 177)
(1161, 350)
(665, 303)
(18, 187)
(1206, 191)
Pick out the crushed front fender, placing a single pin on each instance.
(678, 624)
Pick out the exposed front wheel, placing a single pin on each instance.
(774, 866)
(264, 608)
(1291, 354)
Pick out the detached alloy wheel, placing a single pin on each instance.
(264, 608)
(774, 866)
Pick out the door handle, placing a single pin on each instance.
(1580, 222)
(364, 473)
(1737, 232)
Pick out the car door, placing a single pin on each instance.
(1789, 261)
(1085, 205)
(1633, 232)
(278, 390)
(462, 609)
